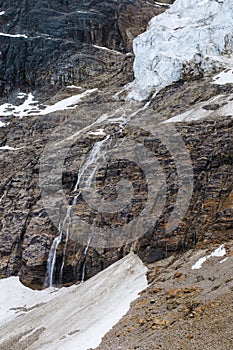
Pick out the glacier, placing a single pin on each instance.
(72, 318)
(193, 37)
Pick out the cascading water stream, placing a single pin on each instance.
(92, 159)
(84, 264)
(5, 191)
(51, 262)
(52, 259)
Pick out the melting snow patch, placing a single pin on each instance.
(98, 132)
(225, 77)
(73, 87)
(219, 252)
(30, 106)
(14, 35)
(107, 49)
(8, 148)
(15, 298)
(191, 36)
(22, 110)
(77, 317)
(2, 13)
(2, 124)
(217, 106)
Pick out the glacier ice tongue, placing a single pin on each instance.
(191, 37)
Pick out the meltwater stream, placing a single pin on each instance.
(51, 262)
(95, 154)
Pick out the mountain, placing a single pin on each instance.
(115, 146)
(193, 194)
(49, 129)
(47, 68)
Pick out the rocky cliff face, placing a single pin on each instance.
(49, 44)
(27, 232)
(49, 60)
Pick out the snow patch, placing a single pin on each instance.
(2, 13)
(219, 252)
(2, 124)
(74, 318)
(192, 35)
(107, 49)
(225, 77)
(73, 87)
(14, 35)
(67, 103)
(98, 132)
(15, 298)
(21, 95)
(9, 148)
(220, 105)
(32, 107)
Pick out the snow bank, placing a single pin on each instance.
(225, 77)
(15, 298)
(32, 107)
(219, 252)
(221, 106)
(192, 35)
(77, 317)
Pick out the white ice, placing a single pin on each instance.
(32, 107)
(195, 33)
(98, 132)
(224, 108)
(14, 35)
(15, 297)
(77, 317)
(225, 77)
(107, 49)
(161, 4)
(73, 87)
(9, 148)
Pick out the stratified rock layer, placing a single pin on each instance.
(26, 230)
(50, 43)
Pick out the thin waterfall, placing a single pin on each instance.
(67, 237)
(51, 262)
(92, 159)
(5, 191)
(84, 264)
